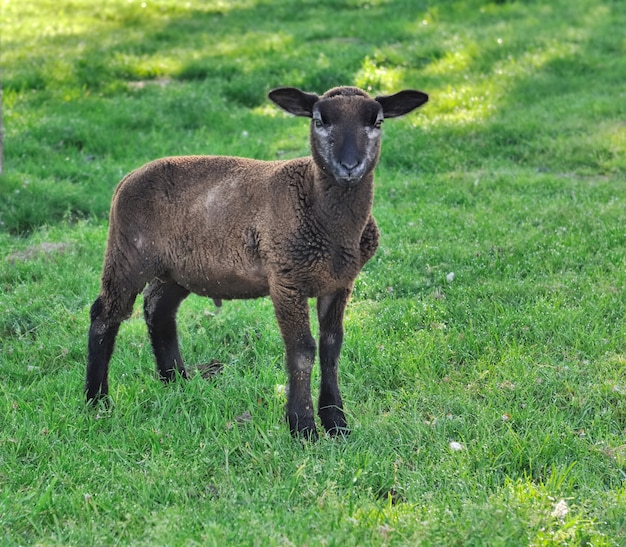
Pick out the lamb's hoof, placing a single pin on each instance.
(334, 421)
(173, 374)
(303, 429)
(99, 400)
(338, 431)
(307, 434)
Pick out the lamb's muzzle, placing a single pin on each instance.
(231, 228)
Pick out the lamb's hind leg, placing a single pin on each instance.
(330, 311)
(161, 302)
(107, 313)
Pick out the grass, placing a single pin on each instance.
(488, 407)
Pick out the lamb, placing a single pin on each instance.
(235, 228)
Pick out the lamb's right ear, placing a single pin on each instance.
(294, 101)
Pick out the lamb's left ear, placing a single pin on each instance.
(401, 103)
(294, 101)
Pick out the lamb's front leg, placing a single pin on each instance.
(369, 240)
(330, 310)
(292, 313)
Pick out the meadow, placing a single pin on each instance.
(484, 365)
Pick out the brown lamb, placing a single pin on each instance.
(230, 228)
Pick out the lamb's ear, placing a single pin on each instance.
(401, 103)
(294, 101)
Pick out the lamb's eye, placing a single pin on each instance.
(378, 124)
(318, 123)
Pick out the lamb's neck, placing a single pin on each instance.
(340, 207)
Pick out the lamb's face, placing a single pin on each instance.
(345, 126)
(345, 137)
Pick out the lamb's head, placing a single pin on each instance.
(346, 126)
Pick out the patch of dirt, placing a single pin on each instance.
(211, 369)
(35, 251)
(140, 84)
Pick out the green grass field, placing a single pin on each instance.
(484, 366)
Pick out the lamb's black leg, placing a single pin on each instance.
(292, 313)
(330, 311)
(161, 302)
(105, 323)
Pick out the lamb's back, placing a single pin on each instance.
(212, 223)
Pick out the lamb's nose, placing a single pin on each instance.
(349, 165)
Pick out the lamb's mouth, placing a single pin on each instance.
(348, 181)
(349, 177)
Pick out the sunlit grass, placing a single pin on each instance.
(384, 79)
